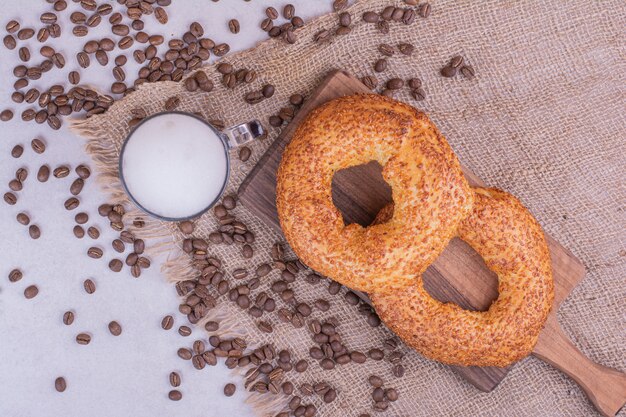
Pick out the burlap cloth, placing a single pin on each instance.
(544, 119)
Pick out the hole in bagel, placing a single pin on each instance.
(359, 192)
(468, 282)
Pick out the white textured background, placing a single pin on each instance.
(112, 376)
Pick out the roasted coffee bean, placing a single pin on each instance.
(174, 379)
(68, 318)
(24, 54)
(424, 10)
(185, 354)
(15, 275)
(378, 394)
(233, 26)
(17, 151)
(327, 364)
(398, 371)
(83, 59)
(80, 31)
(25, 33)
(10, 42)
(345, 19)
(406, 48)
(161, 15)
(94, 252)
(380, 65)
(31, 292)
(381, 405)
(115, 328)
(23, 219)
(93, 232)
(468, 71)
(13, 26)
(89, 286)
(375, 354)
(371, 17)
(395, 84)
(79, 232)
(83, 338)
(15, 185)
(102, 57)
(244, 153)
(289, 11)
(116, 265)
(456, 61)
(386, 49)
(448, 71)
(61, 171)
(175, 395)
(391, 394)
(34, 231)
(167, 322)
(38, 145)
(59, 384)
(418, 94)
(221, 49)
(375, 381)
(263, 270)
(77, 186)
(71, 203)
(339, 5)
(184, 331)
(10, 198)
(358, 357)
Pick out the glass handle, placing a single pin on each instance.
(243, 133)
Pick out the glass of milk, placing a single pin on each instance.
(175, 166)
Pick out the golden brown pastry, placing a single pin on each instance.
(430, 193)
(513, 245)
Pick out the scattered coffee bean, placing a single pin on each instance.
(229, 390)
(167, 323)
(89, 286)
(68, 318)
(468, 72)
(233, 26)
(34, 231)
(79, 232)
(31, 292)
(83, 339)
(15, 275)
(175, 395)
(115, 328)
(94, 252)
(59, 384)
(17, 151)
(184, 331)
(38, 145)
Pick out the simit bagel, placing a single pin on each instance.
(512, 244)
(430, 193)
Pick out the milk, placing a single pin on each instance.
(174, 165)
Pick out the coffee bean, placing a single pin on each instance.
(327, 364)
(13, 26)
(398, 371)
(233, 26)
(375, 354)
(15, 275)
(61, 171)
(468, 72)
(89, 286)
(9, 42)
(265, 327)
(116, 265)
(167, 322)
(345, 19)
(34, 231)
(161, 15)
(174, 379)
(424, 10)
(184, 354)
(289, 11)
(71, 203)
(386, 49)
(395, 83)
(184, 331)
(378, 394)
(391, 394)
(370, 17)
(24, 54)
(59, 384)
(380, 65)
(79, 232)
(102, 57)
(15, 185)
(418, 94)
(83, 339)
(406, 48)
(31, 292)
(221, 49)
(175, 395)
(115, 328)
(80, 31)
(95, 253)
(456, 61)
(38, 145)
(25, 33)
(244, 153)
(448, 71)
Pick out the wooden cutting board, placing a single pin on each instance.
(459, 275)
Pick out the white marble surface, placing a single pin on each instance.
(112, 376)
